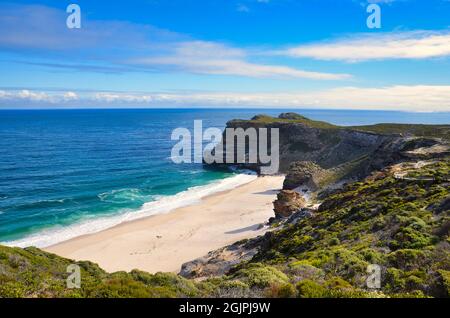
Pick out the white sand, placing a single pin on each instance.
(162, 243)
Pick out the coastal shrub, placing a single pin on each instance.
(379, 223)
(394, 280)
(444, 280)
(337, 283)
(408, 259)
(296, 243)
(169, 282)
(91, 269)
(406, 281)
(346, 263)
(412, 294)
(310, 289)
(409, 237)
(300, 270)
(286, 290)
(333, 288)
(372, 256)
(11, 290)
(230, 289)
(414, 282)
(334, 241)
(260, 275)
(353, 293)
(122, 287)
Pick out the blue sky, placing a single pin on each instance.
(226, 53)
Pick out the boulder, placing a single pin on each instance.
(287, 203)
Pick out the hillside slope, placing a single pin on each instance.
(397, 220)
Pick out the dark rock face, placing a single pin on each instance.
(444, 206)
(334, 153)
(303, 173)
(302, 214)
(287, 203)
(327, 147)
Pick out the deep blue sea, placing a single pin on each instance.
(65, 173)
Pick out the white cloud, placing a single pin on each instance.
(70, 96)
(405, 98)
(214, 58)
(32, 96)
(36, 97)
(379, 46)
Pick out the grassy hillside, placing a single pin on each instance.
(289, 118)
(31, 272)
(433, 131)
(401, 224)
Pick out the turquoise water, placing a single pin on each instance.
(72, 172)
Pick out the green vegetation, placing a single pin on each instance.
(394, 223)
(31, 272)
(436, 171)
(433, 131)
(291, 118)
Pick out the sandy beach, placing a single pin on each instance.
(162, 243)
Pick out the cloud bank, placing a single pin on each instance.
(419, 98)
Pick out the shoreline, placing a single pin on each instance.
(163, 242)
(166, 204)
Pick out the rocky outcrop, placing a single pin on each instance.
(444, 206)
(220, 261)
(287, 203)
(302, 139)
(326, 145)
(303, 173)
(337, 153)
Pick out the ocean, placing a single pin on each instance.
(66, 173)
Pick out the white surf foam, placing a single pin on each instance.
(162, 205)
